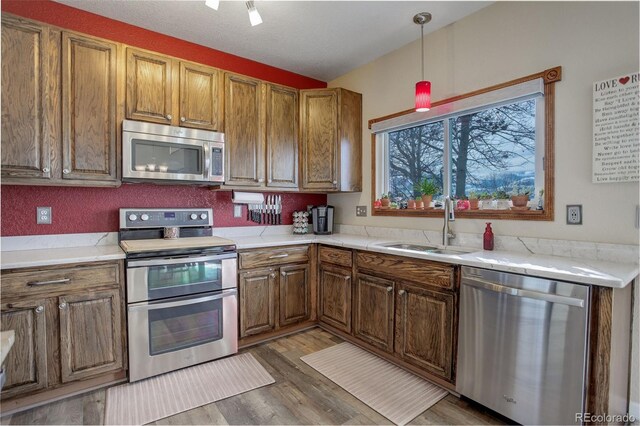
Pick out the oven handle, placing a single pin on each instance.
(185, 302)
(173, 260)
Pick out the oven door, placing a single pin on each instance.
(176, 333)
(164, 277)
(148, 156)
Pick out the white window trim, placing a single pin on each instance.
(532, 89)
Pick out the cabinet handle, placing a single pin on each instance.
(272, 275)
(347, 277)
(276, 256)
(335, 182)
(183, 119)
(45, 170)
(261, 180)
(402, 292)
(270, 180)
(169, 116)
(39, 309)
(389, 289)
(60, 281)
(62, 306)
(283, 273)
(65, 171)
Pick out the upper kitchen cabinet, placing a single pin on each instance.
(60, 102)
(244, 138)
(29, 95)
(165, 90)
(89, 99)
(149, 87)
(331, 140)
(282, 136)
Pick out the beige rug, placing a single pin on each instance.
(393, 392)
(172, 393)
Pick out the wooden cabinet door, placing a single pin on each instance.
(244, 142)
(26, 364)
(149, 87)
(257, 289)
(294, 294)
(335, 297)
(89, 124)
(425, 328)
(90, 334)
(200, 97)
(319, 124)
(282, 137)
(374, 311)
(28, 97)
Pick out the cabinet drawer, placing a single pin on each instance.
(336, 256)
(62, 279)
(271, 257)
(408, 269)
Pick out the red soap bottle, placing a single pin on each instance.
(488, 237)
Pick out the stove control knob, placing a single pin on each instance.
(193, 216)
(203, 216)
(144, 217)
(133, 217)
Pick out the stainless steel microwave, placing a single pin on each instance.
(171, 154)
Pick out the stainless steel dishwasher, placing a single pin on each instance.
(522, 345)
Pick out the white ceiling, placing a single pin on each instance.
(319, 39)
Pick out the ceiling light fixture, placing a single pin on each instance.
(423, 87)
(213, 4)
(254, 16)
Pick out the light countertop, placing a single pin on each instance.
(595, 272)
(7, 338)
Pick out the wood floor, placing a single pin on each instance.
(300, 395)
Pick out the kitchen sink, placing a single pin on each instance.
(419, 248)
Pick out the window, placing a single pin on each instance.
(490, 145)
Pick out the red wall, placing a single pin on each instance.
(96, 209)
(89, 23)
(76, 210)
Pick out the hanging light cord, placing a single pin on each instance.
(422, 47)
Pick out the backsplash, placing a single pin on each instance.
(83, 210)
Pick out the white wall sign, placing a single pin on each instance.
(616, 137)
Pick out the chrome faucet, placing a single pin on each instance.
(449, 216)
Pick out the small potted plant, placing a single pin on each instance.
(411, 204)
(428, 189)
(474, 201)
(519, 197)
(502, 200)
(419, 203)
(462, 203)
(385, 201)
(486, 200)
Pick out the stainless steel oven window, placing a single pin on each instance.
(163, 157)
(182, 327)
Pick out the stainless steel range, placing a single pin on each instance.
(181, 293)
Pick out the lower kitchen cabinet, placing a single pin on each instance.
(425, 328)
(335, 297)
(257, 290)
(69, 329)
(276, 288)
(294, 294)
(90, 334)
(26, 364)
(373, 308)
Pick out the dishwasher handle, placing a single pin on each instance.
(529, 294)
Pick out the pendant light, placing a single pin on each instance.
(423, 87)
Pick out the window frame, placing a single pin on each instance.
(549, 78)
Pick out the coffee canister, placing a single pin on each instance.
(171, 232)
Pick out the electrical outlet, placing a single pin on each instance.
(361, 211)
(237, 210)
(43, 215)
(574, 214)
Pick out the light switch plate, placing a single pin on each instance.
(574, 214)
(43, 215)
(361, 211)
(237, 210)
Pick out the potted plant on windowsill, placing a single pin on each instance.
(428, 189)
(486, 200)
(385, 201)
(474, 200)
(502, 200)
(519, 198)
